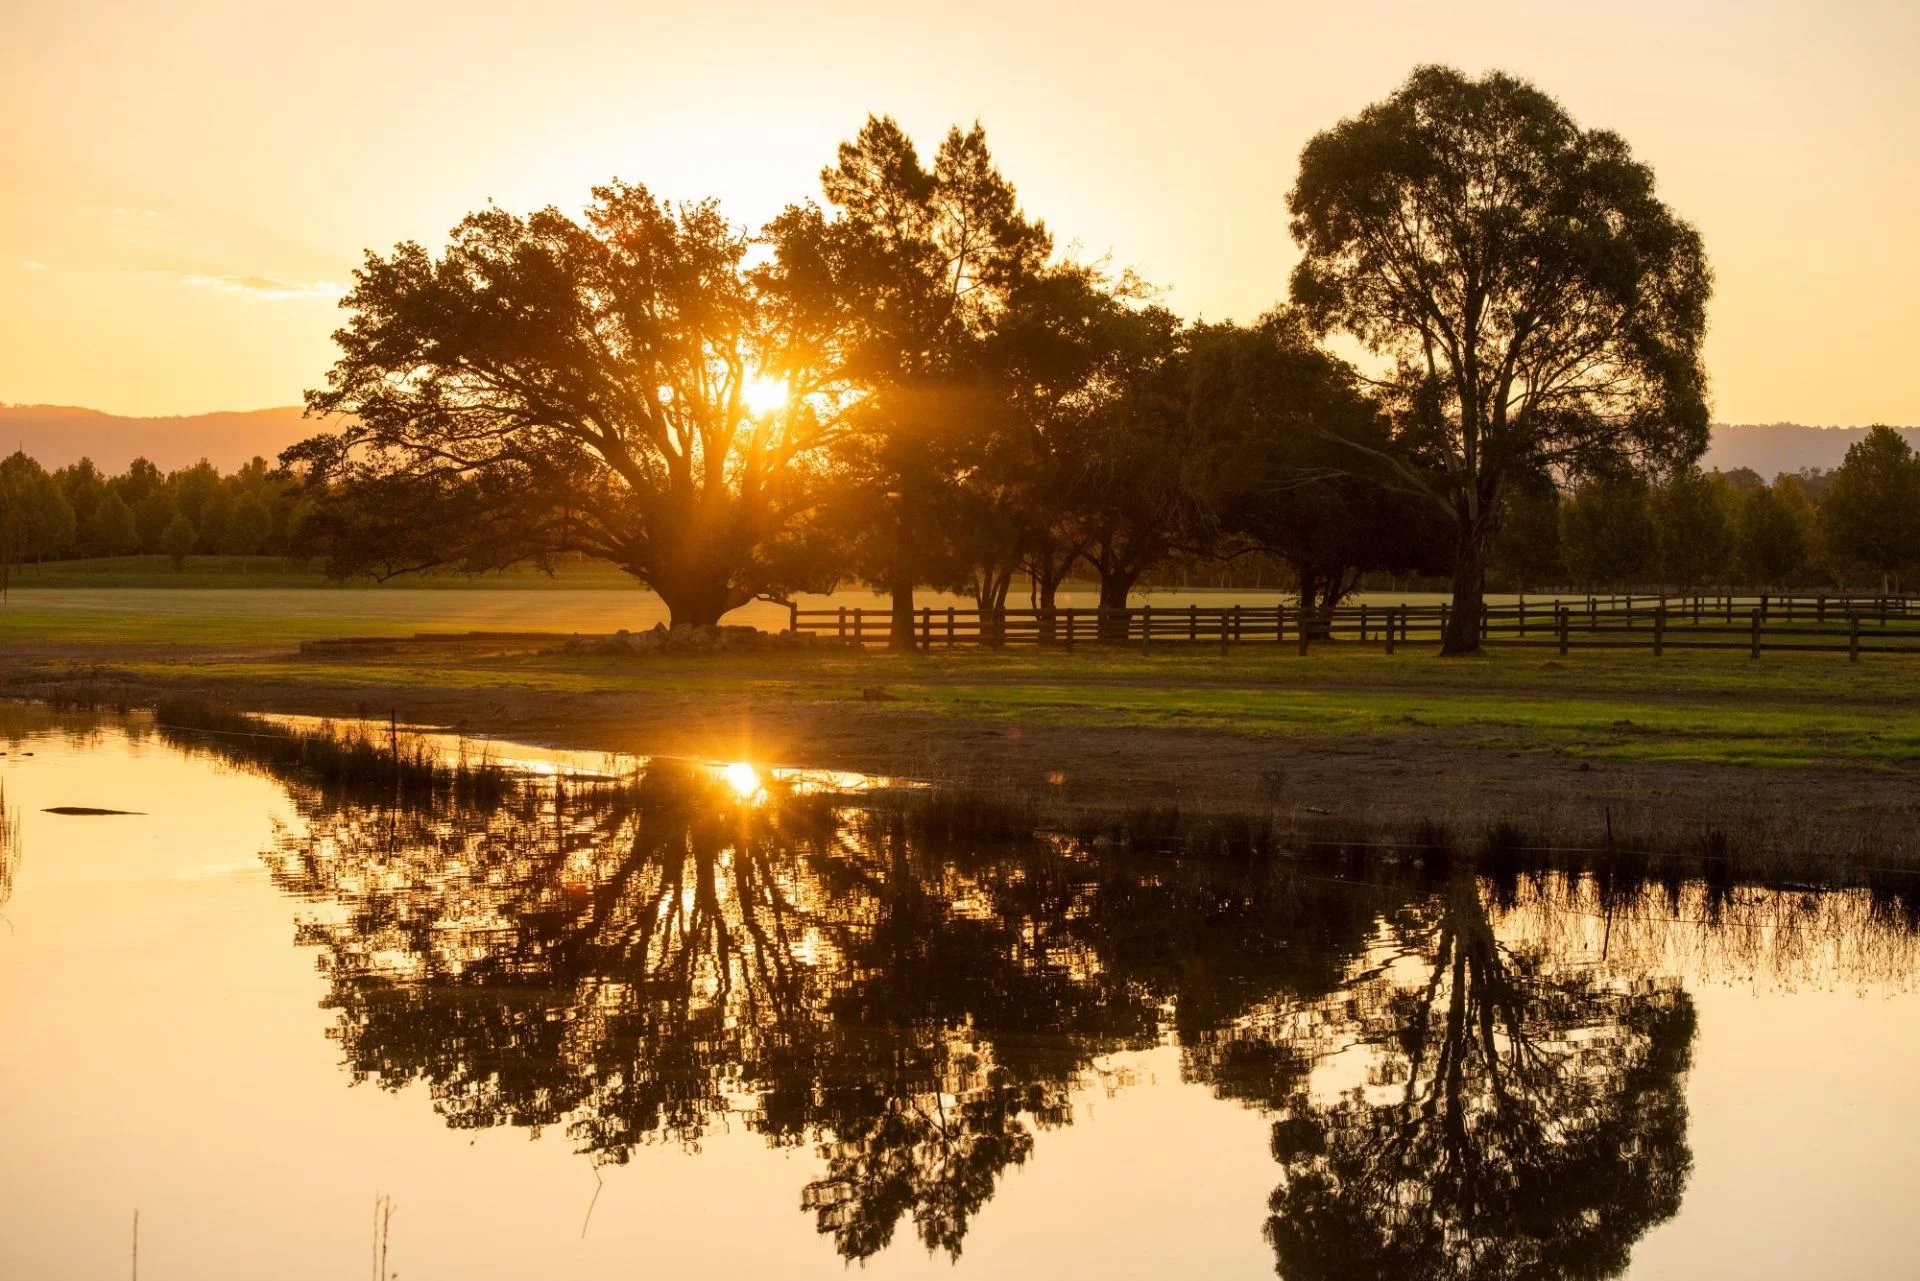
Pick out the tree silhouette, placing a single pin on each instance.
(633, 963)
(1514, 1120)
(595, 386)
(901, 286)
(641, 963)
(1543, 309)
(1870, 514)
(1276, 412)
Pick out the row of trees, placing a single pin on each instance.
(78, 511)
(906, 385)
(1856, 524)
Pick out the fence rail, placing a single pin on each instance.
(1755, 623)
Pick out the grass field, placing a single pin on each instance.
(1782, 711)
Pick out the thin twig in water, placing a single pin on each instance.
(382, 1233)
(597, 1185)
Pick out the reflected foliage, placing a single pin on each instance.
(1464, 1108)
(1469, 1078)
(648, 962)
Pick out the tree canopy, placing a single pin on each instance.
(1538, 306)
(616, 384)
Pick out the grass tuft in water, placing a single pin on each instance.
(340, 762)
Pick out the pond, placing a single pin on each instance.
(666, 1019)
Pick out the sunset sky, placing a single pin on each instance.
(189, 184)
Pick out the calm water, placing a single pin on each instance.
(715, 1024)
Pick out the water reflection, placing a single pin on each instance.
(1467, 1077)
(642, 963)
(1499, 1114)
(9, 848)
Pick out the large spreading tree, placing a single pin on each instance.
(1537, 305)
(617, 385)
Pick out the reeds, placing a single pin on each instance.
(352, 761)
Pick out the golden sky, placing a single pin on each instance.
(188, 184)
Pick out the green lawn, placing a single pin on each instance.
(1784, 710)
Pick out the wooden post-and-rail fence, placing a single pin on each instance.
(1755, 623)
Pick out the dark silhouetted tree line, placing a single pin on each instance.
(906, 384)
(77, 511)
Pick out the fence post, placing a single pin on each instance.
(1363, 624)
(1820, 608)
(1389, 629)
(1446, 617)
(1193, 622)
(949, 627)
(1696, 609)
(1279, 624)
(1223, 633)
(1069, 631)
(843, 622)
(1146, 627)
(926, 629)
(1660, 629)
(793, 617)
(1236, 624)
(1853, 637)
(1560, 625)
(1593, 616)
(1756, 633)
(1522, 616)
(1763, 604)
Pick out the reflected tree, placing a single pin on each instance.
(645, 963)
(654, 961)
(1489, 1115)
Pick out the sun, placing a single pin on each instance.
(743, 779)
(764, 395)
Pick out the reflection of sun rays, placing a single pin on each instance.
(743, 778)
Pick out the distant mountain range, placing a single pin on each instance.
(57, 435)
(1771, 448)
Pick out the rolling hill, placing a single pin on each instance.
(56, 435)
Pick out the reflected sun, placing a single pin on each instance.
(742, 778)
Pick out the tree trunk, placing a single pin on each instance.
(1048, 590)
(1469, 593)
(900, 629)
(700, 605)
(1115, 586)
(900, 635)
(990, 597)
(1316, 604)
